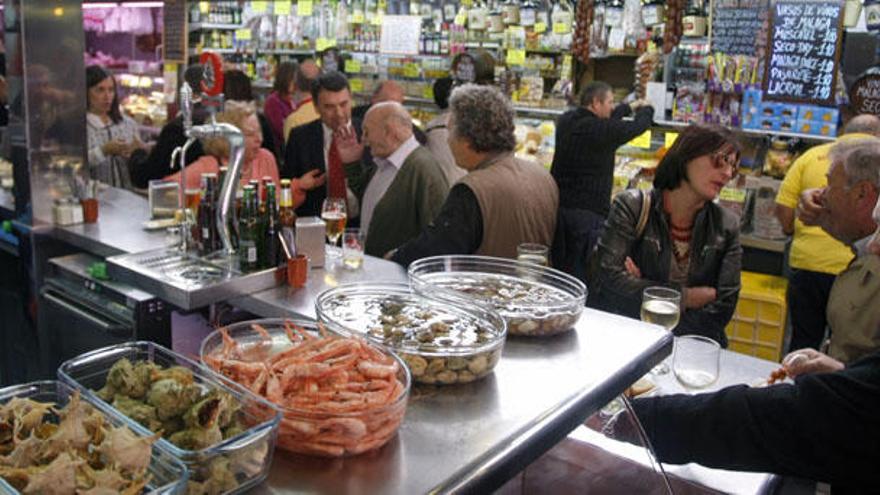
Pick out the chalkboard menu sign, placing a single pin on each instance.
(804, 51)
(174, 31)
(865, 94)
(738, 26)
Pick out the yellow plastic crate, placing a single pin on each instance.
(758, 325)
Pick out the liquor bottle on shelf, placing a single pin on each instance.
(272, 252)
(511, 12)
(477, 18)
(654, 12)
(495, 23)
(562, 20)
(614, 14)
(528, 14)
(248, 255)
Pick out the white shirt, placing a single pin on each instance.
(351, 199)
(386, 171)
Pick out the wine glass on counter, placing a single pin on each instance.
(334, 214)
(696, 361)
(661, 306)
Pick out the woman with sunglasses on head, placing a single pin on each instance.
(684, 241)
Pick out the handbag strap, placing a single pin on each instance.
(643, 215)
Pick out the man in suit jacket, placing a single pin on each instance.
(405, 185)
(327, 144)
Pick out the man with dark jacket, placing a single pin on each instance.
(825, 426)
(587, 138)
(158, 163)
(327, 144)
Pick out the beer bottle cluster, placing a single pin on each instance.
(256, 225)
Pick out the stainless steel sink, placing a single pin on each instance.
(189, 281)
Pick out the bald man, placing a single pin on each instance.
(404, 186)
(816, 257)
(388, 91)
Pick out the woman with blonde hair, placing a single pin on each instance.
(258, 162)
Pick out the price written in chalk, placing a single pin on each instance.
(732, 194)
(804, 51)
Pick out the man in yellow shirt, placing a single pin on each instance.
(816, 258)
(305, 111)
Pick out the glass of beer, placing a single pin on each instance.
(661, 306)
(334, 215)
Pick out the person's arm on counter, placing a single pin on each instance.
(824, 427)
(457, 229)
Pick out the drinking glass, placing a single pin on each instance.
(661, 306)
(353, 249)
(334, 215)
(532, 253)
(695, 361)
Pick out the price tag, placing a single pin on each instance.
(547, 129)
(467, 3)
(561, 28)
(516, 57)
(281, 7)
(377, 19)
(170, 68)
(732, 194)
(621, 181)
(428, 93)
(540, 27)
(324, 43)
(669, 139)
(357, 18)
(259, 6)
(204, 7)
(357, 85)
(243, 34)
(304, 8)
(411, 70)
(460, 19)
(642, 141)
(352, 66)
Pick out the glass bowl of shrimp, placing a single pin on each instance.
(339, 395)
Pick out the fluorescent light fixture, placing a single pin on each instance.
(141, 4)
(99, 5)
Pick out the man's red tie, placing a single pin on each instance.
(336, 180)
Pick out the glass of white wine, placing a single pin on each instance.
(334, 215)
(661, 306)
(696, 361)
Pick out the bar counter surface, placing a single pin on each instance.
(119, 227)
(472, 438)
(463, 438)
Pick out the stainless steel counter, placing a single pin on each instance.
(472, 438)
(286, 301)
(118, 229)
(735, 369)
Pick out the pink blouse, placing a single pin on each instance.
(263, 165)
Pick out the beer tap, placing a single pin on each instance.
(186, 222)
(235, 138)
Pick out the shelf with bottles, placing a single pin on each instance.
(214, 15)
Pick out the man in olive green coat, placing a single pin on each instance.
(405, 189)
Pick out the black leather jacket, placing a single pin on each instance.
(716, 258)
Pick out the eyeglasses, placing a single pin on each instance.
(721, 160)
